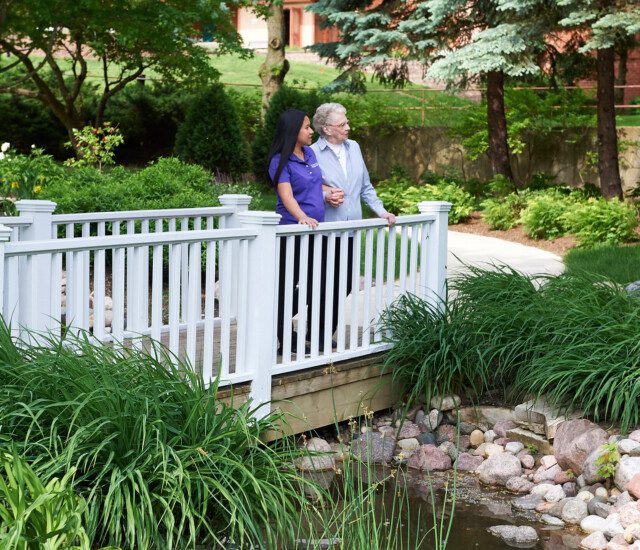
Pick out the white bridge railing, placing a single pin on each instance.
(207, 282)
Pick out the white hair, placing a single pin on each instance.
(325, 114)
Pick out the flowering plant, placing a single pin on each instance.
(22, 176)
(95, 146)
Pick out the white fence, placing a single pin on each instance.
(207, 282)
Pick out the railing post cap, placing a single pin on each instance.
(35, 206)
(428, 207)
(234, 200)
(256, 217)
(5, 233)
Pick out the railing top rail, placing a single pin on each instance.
(125, 215)
(123, 241)
(329, 227)
(16, 221)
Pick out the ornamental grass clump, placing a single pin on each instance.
(574, 338)
(160, 461)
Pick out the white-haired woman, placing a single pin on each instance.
(345, 181)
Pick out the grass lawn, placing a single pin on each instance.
(619, 263)
(628, 120)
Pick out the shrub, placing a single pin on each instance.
(95, 146)
(601, 221)
(285, 98)
(504, 213)
(543, 217)
(400, 197)
(211, 134)
(162, 462)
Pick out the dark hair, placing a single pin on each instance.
(285, 138)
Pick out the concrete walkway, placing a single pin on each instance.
(466, 248)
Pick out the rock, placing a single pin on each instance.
(501, 427)
(513, 534)
(602, 493)
(585, 496)
(590, 468)
(623, 499)
(574, 511)
(315, 461)
(540, 417)
(491, 449)
(555, 508)
(529, 438)
(446, 432)
(599, 508)
(466, 427)
(489, 436)
(502, 441)
(628, 467)
(527, 502)
(563, 477)
(555, 494)
(365, 429)
(570, 488)
(450, 449)
(412, 412)
(468, 463)
(445, 402)
(633, 486)
(480, 450)
(546, 507)
(410, 444)
(629, 514)
(551, 520)
(374, 447)
(463, 442)
(548, 461)
(632, 533)
(429, 458)
(595, 541)
(485, 417)
(633, 287)
(618, 543)
(612, 526)
(518, 485)
(548, 474)
(635, 435)
(476, 438)
(408, 430)
(514, 447)
(420, 416)
(580, 481)
(498, 468)
(426, 439)
(432, 420)
(526, 459)
(593, 524)
(575, 440)
(542, 489)
(626, 446)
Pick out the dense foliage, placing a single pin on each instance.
(573, 338)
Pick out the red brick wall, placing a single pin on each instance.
(633, 75)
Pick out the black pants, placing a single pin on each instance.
(310, 272)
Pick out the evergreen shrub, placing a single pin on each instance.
(211, 135)
(285, 98)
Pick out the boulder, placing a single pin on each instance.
(593, 524)
(491, 449)
(618, 543)
(627, 446)
(498, 468)
(446, 432)
(445, 402)
(546, 474)
(635, 435)
(513, 534)
(575, 440)
(527, 502)
(555, 494)
(503, 426)
(468, 463)
(598, 507)
(548, 461)
(590, 468)
(626, 469)
(408, 430)
(485, 417)
(430, 458)
(612, 526)
(431, 421)
(529, 438)
(320, 457)
(374, 447)
(633, 486)
(574, 511)
(595, 541)
(514, 447)
(551, 520)
(629, 514)
(519, 485)
(542, 489)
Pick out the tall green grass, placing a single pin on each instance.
(618, 263)
(160, 461)
(574, 338)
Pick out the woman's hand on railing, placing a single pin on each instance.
(311, 222)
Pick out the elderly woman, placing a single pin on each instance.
(345, 182)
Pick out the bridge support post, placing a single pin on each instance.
(259, 353)
(436, 291)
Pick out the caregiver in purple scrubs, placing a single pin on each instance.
(296, 175)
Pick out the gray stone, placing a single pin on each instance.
(590, 468)
(542, 489)
(320, 457)
(633, 287)
(515, 535)
(527, 502)
(498, 468)
(514, 447)
(529, 438)
(575, 440)
(491, 449)
(593, 524)
(595, 541)
(635, 435)
(450, 449)
(629, 514)
(374, 447)
(410, 444)
(429, 458)
(581, 481)
(466, 427)
(420, 415)
(551, 520)
(625, 470)
(598, 507)
(624, 498)
(409, 430)
(485, 417)
(574, 511)
(445, 402)
(540, 417)
(503, 426)
(489, 436)
(555, 508)
(446, 432)
(546, 474)
(468, 463)
(519, 485)
(526, 459)
(626, 446)
(570, 488)
(426, 438)
(554, 494)
(612, 526)
(432, 420)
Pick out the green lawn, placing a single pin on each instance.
(628, 120)
(619, 263)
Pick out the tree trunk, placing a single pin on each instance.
(498, 146)
(275, 66)
(608, 168)
(623, 57)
